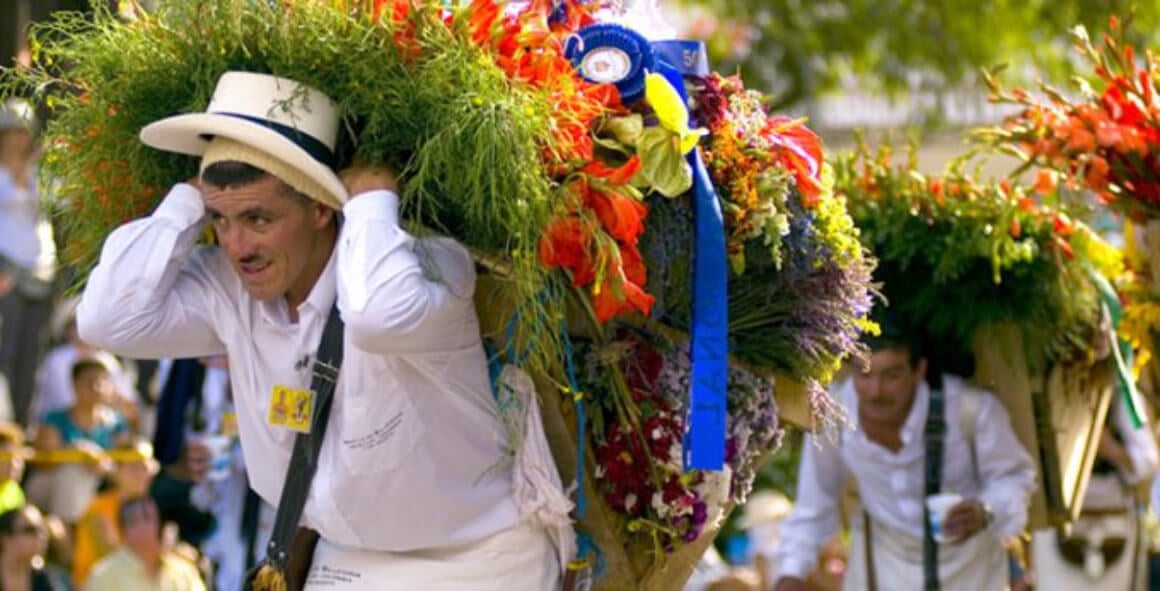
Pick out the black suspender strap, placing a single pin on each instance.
(934, 435)
(307, 446)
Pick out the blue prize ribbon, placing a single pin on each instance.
(611, 53)
(687, 57)
(704, 443)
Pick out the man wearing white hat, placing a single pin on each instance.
(411, 490)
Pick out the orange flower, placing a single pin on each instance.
(483, 14)
(620, 215)
(1044, 182)
(1081, 140)
(802, 154)
(621, 175)
(566, 244)
(1097, 173)
(617, 295)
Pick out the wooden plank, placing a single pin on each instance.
(1058, 417)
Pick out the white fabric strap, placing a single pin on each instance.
(539, 492)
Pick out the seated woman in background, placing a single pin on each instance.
(89, 428)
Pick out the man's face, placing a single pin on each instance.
(887, 389)
(268, 234)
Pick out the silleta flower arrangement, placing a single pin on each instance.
(1105, 136)
(577, 193)
(956, 254)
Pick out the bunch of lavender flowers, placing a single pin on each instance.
(752, 427)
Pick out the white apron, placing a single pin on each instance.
(977, 564)
(519, 558)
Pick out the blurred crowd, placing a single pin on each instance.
(114, 473)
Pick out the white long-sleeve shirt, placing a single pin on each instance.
(413, 442)
(892, 485)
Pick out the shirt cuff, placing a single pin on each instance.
(183, 205)
(373, 205)
(1007, 524)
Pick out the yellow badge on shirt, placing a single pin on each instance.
(230, 424)
(291, 408)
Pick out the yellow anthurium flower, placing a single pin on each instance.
(671, 110)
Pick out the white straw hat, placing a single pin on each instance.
(281, 126)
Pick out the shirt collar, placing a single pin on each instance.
(317, 302)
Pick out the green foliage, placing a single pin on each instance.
(445, 115)
(955, 254)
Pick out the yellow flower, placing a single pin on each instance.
(671, 111)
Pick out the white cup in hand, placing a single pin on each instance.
(938, 506)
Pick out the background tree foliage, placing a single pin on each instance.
(801, 48)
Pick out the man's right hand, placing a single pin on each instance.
(790, 584)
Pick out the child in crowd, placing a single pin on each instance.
(84, 432)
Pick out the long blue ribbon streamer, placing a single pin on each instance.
(704, 442)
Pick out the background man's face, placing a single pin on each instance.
(887, 389)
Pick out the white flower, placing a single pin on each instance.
(629, 501)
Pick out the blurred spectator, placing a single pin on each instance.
(142, 562)
(60, 543)
(96, 532)
(27, 258)
(12, 455)
(761, 519)
(23, 541)
(54, 380)
(204, 488)
(88, 429)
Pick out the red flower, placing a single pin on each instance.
(567, 244)
(802, 154)
(621, 215)
(1125, 110)
(619, 296)
(621, 175)
(483, 14)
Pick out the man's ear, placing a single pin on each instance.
(920, 369)
(323, 215)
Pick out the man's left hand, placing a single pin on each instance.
(965, 520)
(362, 178)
